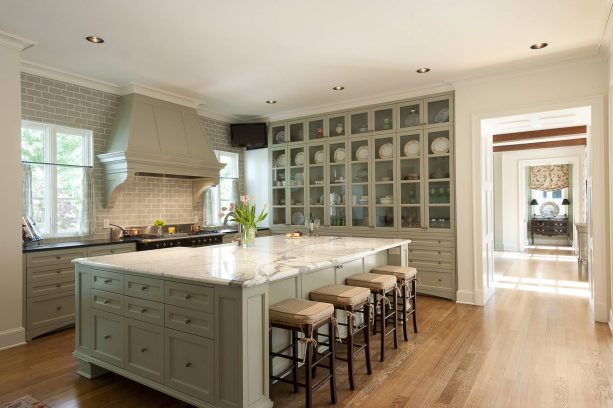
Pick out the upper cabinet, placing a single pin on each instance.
(438, 111)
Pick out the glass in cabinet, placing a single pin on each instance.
(384, 181)
(279, 185)
(316, 177)
(439, 189)
(337, 125)
(278, 134)
(410, 115)
(383, 119)
(359, 122)
(337, 183)
(296, 132)
(297, 191)
(438, 111)
(410, 148)
(316, 128)
(360, 160)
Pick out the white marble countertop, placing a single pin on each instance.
(272, 258)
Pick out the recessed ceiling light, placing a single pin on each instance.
(338, 88)
(423, 70)
(94, 39)
(539, 46)
(271, 102)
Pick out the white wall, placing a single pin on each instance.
(571, 84)
(256, 178)
(498, 207)
(11, 329)
(509, 207)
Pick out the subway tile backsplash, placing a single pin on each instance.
(142, 199)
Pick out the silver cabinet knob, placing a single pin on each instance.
(107, 337)
(58, 257)
(144, 287)
(58, 308)
(59, 285)
(106, 301)
(188, 320)
(143, 311)
(188, 364)
(58, 271)
(188, 296)
(108, 281)
(143, 350)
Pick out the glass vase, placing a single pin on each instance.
(248, 236)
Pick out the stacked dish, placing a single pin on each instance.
(387, 200)
(386, 151)
(362, 153)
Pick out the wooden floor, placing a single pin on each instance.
(533, 345)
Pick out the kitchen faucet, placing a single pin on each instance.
(239, 233)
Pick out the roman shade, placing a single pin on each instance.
(549, 177)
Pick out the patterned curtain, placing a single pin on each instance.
(549, 178)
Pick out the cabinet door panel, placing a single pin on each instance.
(144, 288)
(190, 321)
(50, 309)
(190, 364)
(145, 310)
(108, 339)
(109, 281)
(144, 349)
(107, 301)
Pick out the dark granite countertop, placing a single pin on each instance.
(50, 246)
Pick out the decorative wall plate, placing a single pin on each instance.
(411, 148)
(362, 153)
(299, 159)
(549, 209)
(339, 155)
(281, 160)
(280, 137)
(319, 157)
(442, 116)
(386, 151)
(440, 145)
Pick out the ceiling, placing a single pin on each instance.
(235, 55)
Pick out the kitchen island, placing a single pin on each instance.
(193, 322)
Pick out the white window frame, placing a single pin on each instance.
(50, 132)
(234, 175)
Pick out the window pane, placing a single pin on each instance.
(32, 145)
(69, 199)
(40, 192)
(70, 149)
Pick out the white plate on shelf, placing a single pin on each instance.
(440, 145)
(319, 157)
(339, 155)
(280, 137)
(411, 148)
(281, 160)
(362, 153)
(298, 218)
(386, 151)
(299, 159)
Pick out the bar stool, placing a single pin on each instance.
(380, 286)
(351, 300)
(406, 275)
(303, 316)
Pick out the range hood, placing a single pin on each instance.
(151, 136)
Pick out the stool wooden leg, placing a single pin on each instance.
(308, 385)
(295, 363)
(350, 351)
(374, 319)
(405, 331)
(414, 296)
(383, 321)
(395, 317)
(315, 353)
(270, 361)
(367, 337)
(332, 362)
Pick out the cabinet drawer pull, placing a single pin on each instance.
(143, 311)
(112, 251)
(58, 257)
(58, 308)
(143, 350)
(144, 287)
(107, 302)
(58, 271)
(439, 279)
(188, 364)
(107, 337)
(339, 266)
(439, 241)
(188, 320)
(59, 285)
(108, 281)
(439, 262)
(188, 296)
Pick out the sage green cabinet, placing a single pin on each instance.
(108, 337)
(144, 348)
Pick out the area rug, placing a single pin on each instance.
(27, 401)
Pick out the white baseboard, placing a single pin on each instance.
(600, 311)
(611, 320)
(465, 297)
(12, 338)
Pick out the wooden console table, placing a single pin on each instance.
(549, 227)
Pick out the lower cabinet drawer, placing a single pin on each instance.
(108, 337)
(50, 309)
(144, 350)
(145, 310)
(51, 287)
(190, 296)
(432, 262)
(190, 364)
(436, 253)
(106, 280)
(144, 288)
(107, 301)
(50, 272)
(190, 321)
(434, 281)
(110, 249)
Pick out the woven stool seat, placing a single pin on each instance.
(299, 312)
(341, 295)
(372, 281)
(400, 272)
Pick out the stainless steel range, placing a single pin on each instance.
(147, 242)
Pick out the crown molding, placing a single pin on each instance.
(142, 89)
(357, 102)
(57, 74)
(218, 116)
(15, 42)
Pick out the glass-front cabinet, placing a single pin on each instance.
(385, 168)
